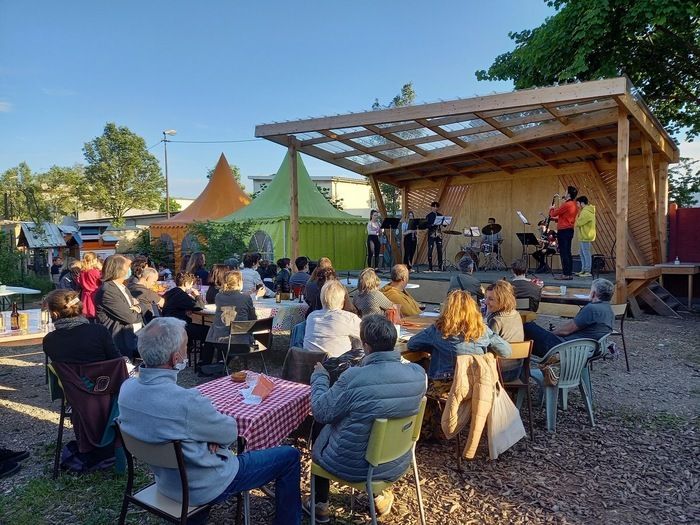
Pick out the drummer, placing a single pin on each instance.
(491, 234)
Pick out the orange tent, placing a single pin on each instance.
(221, 197)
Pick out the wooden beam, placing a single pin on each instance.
(294, 204)
(649, 127)
(555, 95)
(381, 208)
(398, 140)
(362, 149)
(623, 137)
(662, 208)
(652, 214)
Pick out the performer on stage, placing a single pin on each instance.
(494, 239)
(585, 226)
(434, 236)
(409, 240)
(566, 218)
(374, 230)
(548, 246)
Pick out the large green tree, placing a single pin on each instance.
(221, 240)
(656, 43)
(20, 195)
(61, 190)
(684, 183)
(121, 174)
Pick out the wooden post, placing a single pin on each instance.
(662, 208)
(648, 161)
(293, 205)
(623, 144)
(381, 208)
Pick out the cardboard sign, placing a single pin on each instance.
(264, 387)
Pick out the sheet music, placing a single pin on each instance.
(522, 217)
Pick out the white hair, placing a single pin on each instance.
(333, 295)
(603, 288)
(160, 339)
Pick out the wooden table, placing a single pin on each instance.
(689, 269)
(575, 296)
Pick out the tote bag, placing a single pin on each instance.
(504, 426)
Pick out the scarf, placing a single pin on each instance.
(67, 323)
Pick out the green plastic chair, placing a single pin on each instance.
(389, 440)
(573, 359)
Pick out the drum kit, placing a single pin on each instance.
(485, 255)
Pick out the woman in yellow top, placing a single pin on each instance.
(585, 228)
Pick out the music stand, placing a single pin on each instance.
(415, 224)
(442, 220)
(390, 223)
(527, 239)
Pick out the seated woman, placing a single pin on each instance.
(75, 339)
(116, 308)
(216, 280)
(459, 330)
(196, 266)
(332, 329)
(142, 290)
(504, 320)
(182, 300)
(369, 300)
(312, 291)
(229, 297)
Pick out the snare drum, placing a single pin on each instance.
(486, 248)
(467, 253)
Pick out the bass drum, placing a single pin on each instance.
(474, 256)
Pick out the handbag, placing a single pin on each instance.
(550, 371)
(504, 426)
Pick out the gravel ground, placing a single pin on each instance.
(638, 465)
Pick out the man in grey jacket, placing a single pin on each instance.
(154, 409)
(381, 387)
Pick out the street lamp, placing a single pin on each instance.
(167, 187)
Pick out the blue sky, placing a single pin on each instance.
(213, 70)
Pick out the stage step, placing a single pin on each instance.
(660, 300)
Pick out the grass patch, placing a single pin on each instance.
(91, 499)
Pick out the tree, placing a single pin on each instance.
(61, 190)
(336, 203)
(174, 205)
(20, 194)
(683, 184)
(156, 249)
(121, 174)
(255, 194)
(221, 240)
(391, 194)
(656, 43)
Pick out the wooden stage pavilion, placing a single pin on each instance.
(490, 156)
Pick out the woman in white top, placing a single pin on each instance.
(409, 238)
(332, 329)
(374, 230)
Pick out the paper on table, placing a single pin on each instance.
(581, 295)
(429, 314)
(263, 387)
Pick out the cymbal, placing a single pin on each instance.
(451, 232)
(491, 229)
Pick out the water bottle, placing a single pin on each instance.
(677, 261)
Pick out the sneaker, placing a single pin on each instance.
(7, 468)
(383, 502)
(585, 274)
(323, 515)
(11, 455)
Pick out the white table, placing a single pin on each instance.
(286, 314)
(15, 290)
(33, 335)
(352, 284)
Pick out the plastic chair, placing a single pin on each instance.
(166, 455)
(522, 304)
(299, 364)
(573, 358)
(297, 336)
(56, 392)
(521, 385)
(261, 333)
(389, 440)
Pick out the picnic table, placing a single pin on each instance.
(267, 424)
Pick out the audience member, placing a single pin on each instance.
(216, 280)
(69, 280)
(89, 280)
(501, 316)
(369, 300)
(164, 273)
(524, 288)
(283, 277)
(396, 292)
(155, 409)
(593, 321)
(75, 339)
(383, 387)
(196, 266)
(466, 281)
(252, 282)
(228, 298)
(312, 290)
(142, 290)
(183, 299)
(137, 265)
(115, 307)
(332, 329)
(300, 277)
(56, 270)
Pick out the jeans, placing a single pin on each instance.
(434, 240)
(258, 468)
(565, 237)
(585, 252)
(542, 339)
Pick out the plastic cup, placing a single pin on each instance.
(562, 290)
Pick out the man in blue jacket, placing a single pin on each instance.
(154, 409)
(381, 387)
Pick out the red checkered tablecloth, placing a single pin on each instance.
(267, 424)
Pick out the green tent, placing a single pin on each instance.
(324, 231)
